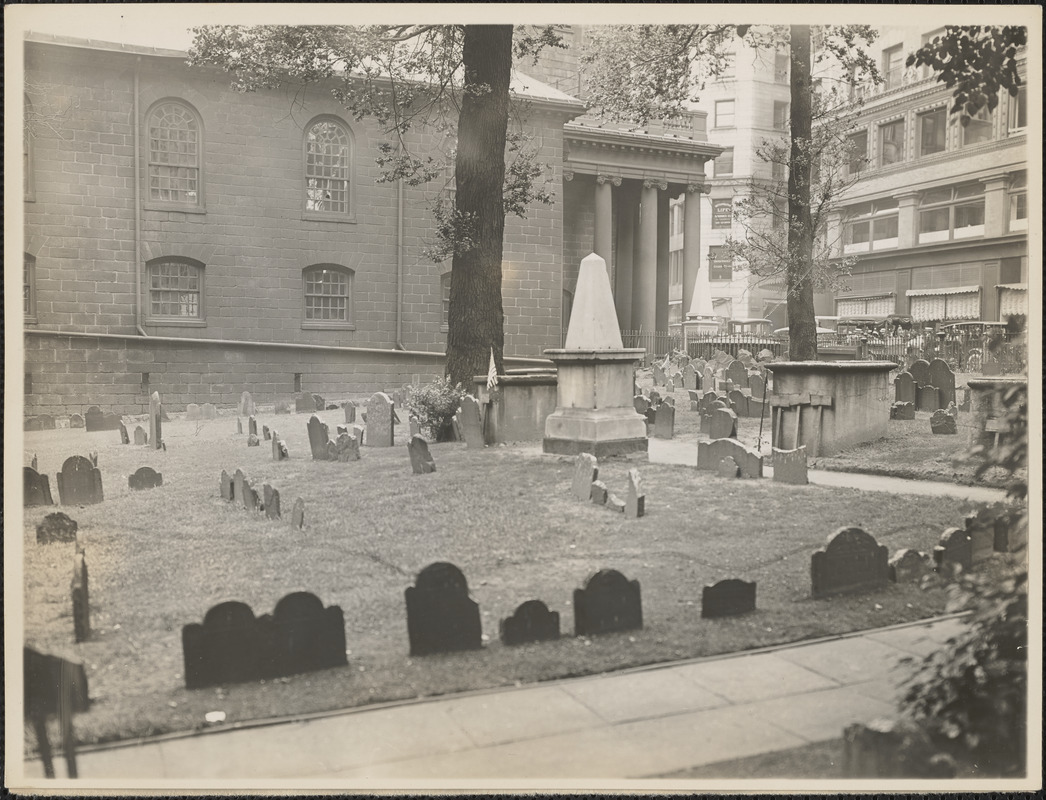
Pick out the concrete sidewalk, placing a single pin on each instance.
(628, 725)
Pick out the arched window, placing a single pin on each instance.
(175, 155)
(175, 290)
(28, 182)
(29, 287)
(328, 169)
(328, 296)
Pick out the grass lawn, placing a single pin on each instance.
(159, 559)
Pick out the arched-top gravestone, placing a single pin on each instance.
(953, 552)
(757, 383)
(192, 412)
(920, 371)
(471, 419)
(737, 373)
(943, 378)
(306, 636)
(608, 602)
(79, 482)
(36, 488)
(380, 422)
(727, 598)
(904, 388)
(531, 622)
(226, 648)
(319, 437)
(723, 424)
(909, 566)
(421, 460)
(441, 617)
(690, 377)
(145, 478)
(586, 470)
(851, 562)
(95, 420)
(739, 402)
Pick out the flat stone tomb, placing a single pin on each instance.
(421, 460)
(380, 421)
(79, 482)
(441, 617)
(36, 488)
(586, 472)
(56, 527)
(145, 478)
(470, 418)
(232, 646)
(607, 603)
(727, 598)
(80, 599)
(851, 562)
(531, 622)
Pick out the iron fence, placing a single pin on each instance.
(656, 343)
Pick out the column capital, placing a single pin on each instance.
(655, 183)
(568, 175)
(697, 188)
(613, 179)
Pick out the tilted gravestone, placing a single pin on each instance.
(225, 486)
(728, 468)
(470, 418)
(76, 421)
(358, 431)
(145, 478)
(79, 482)
(902, 411)
(927, 398)
(441, 617)
(318, 438)
(140, 436)
(851, 562)
(608, 602)
(695, 399)
(420, 458)
(723, 424)
(954, 552)
(904, 388)
(941, 422)
(585, 472)
(266, 433)
(531, 622)
(125, 437)
(380, 423)
(36, 488)
(664, 421)
(279, 449)
(56, 527)
(246, 405)
(251, 500)
(298, 514)
(658, 375)
(598, 493)
(710, 454)
(635, 500)
(727, 598)
(943, 378)
(690, 379)
(737, 373)
(790, 466)
(209, 411)
(80, 597)
(739, 402)
(920, 372)
(192, 412)
(271, 500)
(155, 421)
(253, 440)
(239, 484)
(344, 449)
(252, 425)
(909, 566)
(350, 411)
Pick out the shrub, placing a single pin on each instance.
(434, 405)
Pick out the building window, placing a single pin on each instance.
(780, 115)
(724, 113)
(29, 287)
(865, 306)
(175, 148)
(891, 142)
(175, 289)
(727, 68)
(724, 163)
(675, 268)
(722, 213)
(893, 66)
(720, 263)
(873, 226)
(933, 126)
(781, 64)
(328, 296)
(1018, 119)
(938, 305)
(857, 151)
(675, 218)
(328, 168)
(954, 213)
(778, 171)
(925, 71)
(979, 128)
(1019, 203)
(444, 293)
(28, 182)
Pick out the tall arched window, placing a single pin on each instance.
(328, 296)
(175, 290)
(175, 155)
(328, 169)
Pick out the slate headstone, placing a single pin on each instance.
(318, 438)
(36, 488)
(954, 552)
(723, 424)
(904, 388)
(737, 373)
(728, 468)
(298, 514)
(664, 421)
(943, 378)
(345, 449)
(81, 599)
(140, 436)
(927, 398)
(209, 411)
(739, 403)
(271, 500)
(125, 438)
(225, 489)
(920, 372)
(608, 602)
(279, 449)
(306, 636)
(56, 527)
(790, 466)
(94, 419)
(758, 386)
(941, 422)
(470, 417)
(79, 482)
(708, 379)
(902, 411)
(695, 399)
(155, 421)
(585, 472)
(266, 433)
(635, 500)
(690, 379)
(319, 403)
(420, 458)
(76, 421)
(252, 425)
(304, 402)
(727, 598)
(144, 478)
(239, 485)
(531, 622)
(239, 426)
(226, 648)
(253, 440)
(350, 411)
(282, 408)
(380, 425)
(246, 405)
(851, 562)
(192, 412)
(441, 617)
(598, 493)
(909, 566)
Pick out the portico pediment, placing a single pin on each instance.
(635, 154)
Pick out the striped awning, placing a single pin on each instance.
(1016, 287)
(936, 292)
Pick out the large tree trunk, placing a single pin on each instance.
(802, 327)
(476, 319)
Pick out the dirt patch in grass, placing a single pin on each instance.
(160, 559)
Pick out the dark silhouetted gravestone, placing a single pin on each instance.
(298, 514)
(953, 552)
(76, 421)
(125, 437)
(920, 372)
(271, 500)
(664, 421)
(585, 472)
(943, 378)
(909, 566)
(56, 527)
(344, 449)
(709, 454)
(306, 636)
(36, 488)
(225, 486)
(737, 373)
(927, 399)
(608, 602)
(253, 440)
(155, 421)
(420, 458)
(252, 425)
(635, 500)
(192, 412)
(851, 562)
(380, 422)
(239, 483)
(598, 493)
(304, 402)
(239, 426)
(441, 617)
(246, 405)
(209, 411)
(727, 598)
(728, 468)
(318, 438)
(145, 478)
(739, 402)
(723, 424)
(902, 411)
(350, 411)
(228, 647)
(81, 602)
(531, 622)
(53, 687)
(790, 466)
(941, 422)
(266, 433)
(904, 388)
(640, 404)
(94, 419)
(471, 419)
(79, 482)
(140, 436)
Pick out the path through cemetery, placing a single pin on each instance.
(645, 723)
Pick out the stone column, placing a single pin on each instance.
(691, 242)
(663, 272)
(602, 240)
(627, 210)
(995, 206)
(907, 219)
(644, 272)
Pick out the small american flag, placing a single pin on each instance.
(492, 372)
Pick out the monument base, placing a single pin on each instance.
(601, 432)
(603, 449)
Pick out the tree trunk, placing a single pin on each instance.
(802, 327)
(476, 319)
